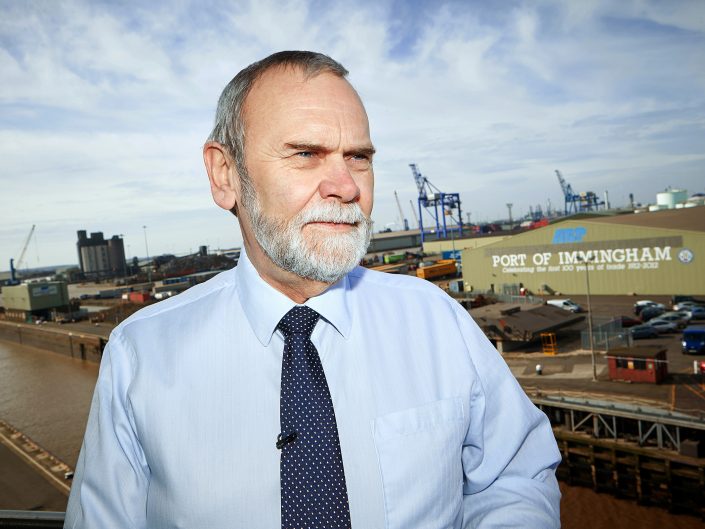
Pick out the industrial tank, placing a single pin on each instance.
(669, 198)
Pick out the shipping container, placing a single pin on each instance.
(394, 258)
(139, 297)
(438, 270)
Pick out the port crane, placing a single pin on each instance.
(432, 200)
(402, 219)
(13, 270)
(413, 212)
(580, 202)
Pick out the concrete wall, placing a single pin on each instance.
(447, 245)
(394, 242)
(75, 345)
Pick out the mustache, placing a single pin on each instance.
(333, 212)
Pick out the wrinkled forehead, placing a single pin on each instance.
(284, 88)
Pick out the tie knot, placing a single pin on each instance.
(299, 320)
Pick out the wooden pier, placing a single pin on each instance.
(652, 456)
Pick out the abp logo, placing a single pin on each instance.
(568, 235)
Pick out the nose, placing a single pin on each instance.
(338, 183)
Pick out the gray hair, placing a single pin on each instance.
(229, 128)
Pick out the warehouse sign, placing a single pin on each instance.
(45, 290)
(645, 258)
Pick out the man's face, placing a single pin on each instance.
(309, 159)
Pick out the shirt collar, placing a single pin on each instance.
(265, 306)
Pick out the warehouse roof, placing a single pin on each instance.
(503, 321)
(685, 219)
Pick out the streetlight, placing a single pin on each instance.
(146, 248)
(449, 213)
(592, 338)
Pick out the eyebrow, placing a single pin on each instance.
(367, 151)
(315, 147)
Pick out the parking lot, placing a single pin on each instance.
(570, 371)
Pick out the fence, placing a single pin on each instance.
(508, 295)
(606, 334)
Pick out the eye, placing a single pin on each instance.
(304, 154)
(361, 160)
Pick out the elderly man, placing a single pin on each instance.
(298, 390)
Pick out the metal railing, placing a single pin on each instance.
(664, 429)
(31, 519)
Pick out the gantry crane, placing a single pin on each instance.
(13, 277)
(577, 203)
(430, 198)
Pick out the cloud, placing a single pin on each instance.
(104, 106)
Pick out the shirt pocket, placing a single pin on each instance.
(420, 459)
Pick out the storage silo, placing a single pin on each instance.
(669, 198)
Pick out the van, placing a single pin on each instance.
(694, 340)
(565, 304)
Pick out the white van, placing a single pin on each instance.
(565, 304)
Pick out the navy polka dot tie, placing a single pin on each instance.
(313, 490)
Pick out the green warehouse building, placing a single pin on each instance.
(28, 301)
(651, 253)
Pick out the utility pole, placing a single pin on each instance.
(146, 248)
(592, 338)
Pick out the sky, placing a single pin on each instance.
(105, 106)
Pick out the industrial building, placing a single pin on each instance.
(99, 257)
(649, 253)
(30, 301)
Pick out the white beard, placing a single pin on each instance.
(318, 256)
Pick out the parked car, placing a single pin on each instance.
(640, 332)
(663, 326)
(626, 321)
(694, 340)
(679, 318)
(639, 306)
(649, 313)
(675, 300)
(687, 305)
(565, 304)
(697, 313)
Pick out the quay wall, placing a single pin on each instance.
(79, 345)
(648, 476)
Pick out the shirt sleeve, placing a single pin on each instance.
(112, 475)
(509, 454)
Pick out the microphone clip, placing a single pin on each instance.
(285, 439)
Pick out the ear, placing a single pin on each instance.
(221, 169)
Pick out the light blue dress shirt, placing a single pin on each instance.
(434, 430)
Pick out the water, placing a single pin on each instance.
(47, 396)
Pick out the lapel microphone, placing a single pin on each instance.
(285, 439)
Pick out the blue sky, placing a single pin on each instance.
(104, 106)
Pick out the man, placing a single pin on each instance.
(298, 390)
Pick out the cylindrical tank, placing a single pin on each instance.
(669, 198)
